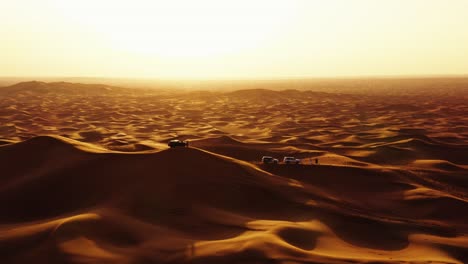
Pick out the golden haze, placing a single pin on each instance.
(232, 39)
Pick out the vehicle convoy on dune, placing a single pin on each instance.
(286, 160)
(177, 143)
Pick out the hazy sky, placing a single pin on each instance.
(233, 39)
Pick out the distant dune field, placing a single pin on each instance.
(86, 175)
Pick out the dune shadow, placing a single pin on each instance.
(299, 237)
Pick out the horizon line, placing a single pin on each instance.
(260, 78)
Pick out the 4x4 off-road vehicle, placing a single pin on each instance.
(291, 160)
(177, 143)
(269, 160)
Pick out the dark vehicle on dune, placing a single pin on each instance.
(269, 160)
(177, 143)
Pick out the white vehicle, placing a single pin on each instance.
(291, 160)
(269, 160)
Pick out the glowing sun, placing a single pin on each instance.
(180, 28)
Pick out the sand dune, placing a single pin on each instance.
(87, 177)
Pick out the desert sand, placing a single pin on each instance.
(86, 175)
